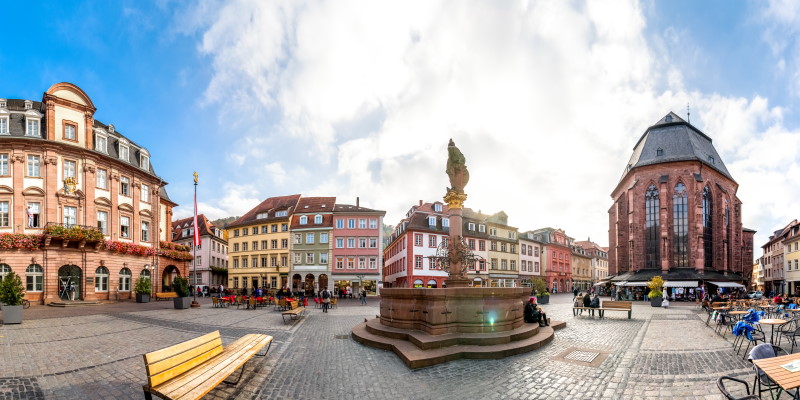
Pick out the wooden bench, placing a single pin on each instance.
(294, 312)
(166, 295)
(191, 369)
(615, 306)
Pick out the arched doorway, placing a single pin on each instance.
(296, 282)
(323, 281)
(309, 285)
(69, 282)
(170, 272)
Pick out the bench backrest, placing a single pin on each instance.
(617, 304)
(282, 302)
(293, 304)
(165, 364)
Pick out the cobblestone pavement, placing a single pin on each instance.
(96, 353)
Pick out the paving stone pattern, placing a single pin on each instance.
(97, 354)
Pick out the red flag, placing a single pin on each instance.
(196, 227)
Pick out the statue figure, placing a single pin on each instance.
(456, 168)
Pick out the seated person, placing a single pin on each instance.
(777, 299)
(534, 314)
(595, 303)
(716, 298)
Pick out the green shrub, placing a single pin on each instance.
(181, 286)
(540, 286)
(142, 286)
(11, 290)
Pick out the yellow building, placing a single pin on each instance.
(581, 269)
(791, 257)
(503, 257)
(258, 245)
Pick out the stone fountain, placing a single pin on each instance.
(426, 327)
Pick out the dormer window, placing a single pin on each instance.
(144, 160)
(111, 128)
(100, 141)
(4, 115)
(437, 207)
(32, 127)
(482, 228)
(28, 105)
(711, 159)
(432, 221)
(318, 219)
(123, 150)
(282, 213)
(668, 118)
(445, 222)
(262, 215)
(303, 220)
(471, 226)
(659, 152)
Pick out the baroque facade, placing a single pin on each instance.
(676, 212)
(82, 211)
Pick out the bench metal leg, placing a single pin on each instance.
(147, 395)
(265, 351)
(241, 372)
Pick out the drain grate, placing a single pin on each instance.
(341, 336)
(582, 356)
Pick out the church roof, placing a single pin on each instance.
(673, 139)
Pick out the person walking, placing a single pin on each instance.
(326, 300)
(574, 291)
(364, 297)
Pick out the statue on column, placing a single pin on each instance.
(456, 168)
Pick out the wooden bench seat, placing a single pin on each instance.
(606, 306)
(189, 370)
(166, 295)
(294, 313)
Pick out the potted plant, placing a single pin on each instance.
(11, 295)
(656, 296)
(540, 288)
(181, 287)
(142, 288)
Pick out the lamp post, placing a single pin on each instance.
(147, 268)
(195, 304)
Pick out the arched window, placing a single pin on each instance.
(4, 270)
(145, 274)
(708, 233)
(34, 278)
(101, 279)
(680, 221)
(418, 283)
(431, 283)
(652, 228)
(125, 280)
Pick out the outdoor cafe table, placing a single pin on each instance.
(772, 367)
(737, 313)
(772, 322)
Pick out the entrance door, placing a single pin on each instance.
(69, 282)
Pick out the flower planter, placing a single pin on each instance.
(656, 301)
(12, 314)
(182, 303)
(142, 298)
(543, 299)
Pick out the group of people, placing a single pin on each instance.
(586, 300)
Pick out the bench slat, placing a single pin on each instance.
(198, 382)
(166, 352)
(169, 368)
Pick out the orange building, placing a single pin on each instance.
(82, 212)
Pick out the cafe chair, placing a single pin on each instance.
(762, 383)
(728, 395)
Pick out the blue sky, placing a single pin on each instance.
(353, 98)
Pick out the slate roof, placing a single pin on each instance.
(202, 221)
(341, 208)
(16, 125)
(269, 206)
(678, 141)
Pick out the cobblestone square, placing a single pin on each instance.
(96, 353)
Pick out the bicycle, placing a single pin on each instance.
(26, 303)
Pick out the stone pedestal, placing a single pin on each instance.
(457, 282)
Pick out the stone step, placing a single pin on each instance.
(416, 357)
(424, 340)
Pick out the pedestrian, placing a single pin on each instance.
(221, 290)
(326, 300)
(364, 297)
(574, 291)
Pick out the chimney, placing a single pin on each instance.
(357, 202)
(420, 203)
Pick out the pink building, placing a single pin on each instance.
(416, 238)
(357, 241)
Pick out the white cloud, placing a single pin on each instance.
(545, 99)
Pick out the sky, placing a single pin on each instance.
(546, 99)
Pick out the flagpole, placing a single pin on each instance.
(194, 246)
